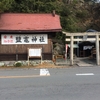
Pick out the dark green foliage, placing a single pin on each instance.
(82, 14)
(5, 5)
(87, 0)
(18, 64)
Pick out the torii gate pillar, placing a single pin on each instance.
(97, 49)
(71, 50)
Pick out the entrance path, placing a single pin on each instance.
(84, 61)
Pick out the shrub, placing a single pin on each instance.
(18, 64)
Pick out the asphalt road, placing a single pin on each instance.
(79, 83)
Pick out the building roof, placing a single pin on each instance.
(91, 30)
(29, 22)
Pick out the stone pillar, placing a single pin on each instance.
(97, 49)
(71, 50)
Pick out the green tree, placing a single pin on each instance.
(5, 5)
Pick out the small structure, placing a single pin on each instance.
(85, 47)
(20, 31)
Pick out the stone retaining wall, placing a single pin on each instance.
(24, 63)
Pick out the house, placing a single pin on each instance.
(20, 31)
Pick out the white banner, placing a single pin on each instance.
(87, 47)
(24, 39)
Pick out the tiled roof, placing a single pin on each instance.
(29, 22)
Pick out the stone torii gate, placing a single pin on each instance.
(85, 38)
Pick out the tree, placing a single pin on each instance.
(5, 5)
(68, 1)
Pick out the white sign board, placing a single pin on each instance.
(35, 52)
(7, 39)
(85, 37)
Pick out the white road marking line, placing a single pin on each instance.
(44, 72)
(84, 74)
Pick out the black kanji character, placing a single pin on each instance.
(18, 39)
(34, 38)
(41, 39)
(26, 39)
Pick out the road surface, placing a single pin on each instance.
(79, 83)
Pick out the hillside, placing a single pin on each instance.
(88, 16)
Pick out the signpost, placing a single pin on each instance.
(34, 53)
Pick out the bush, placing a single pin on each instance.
(18, 64)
